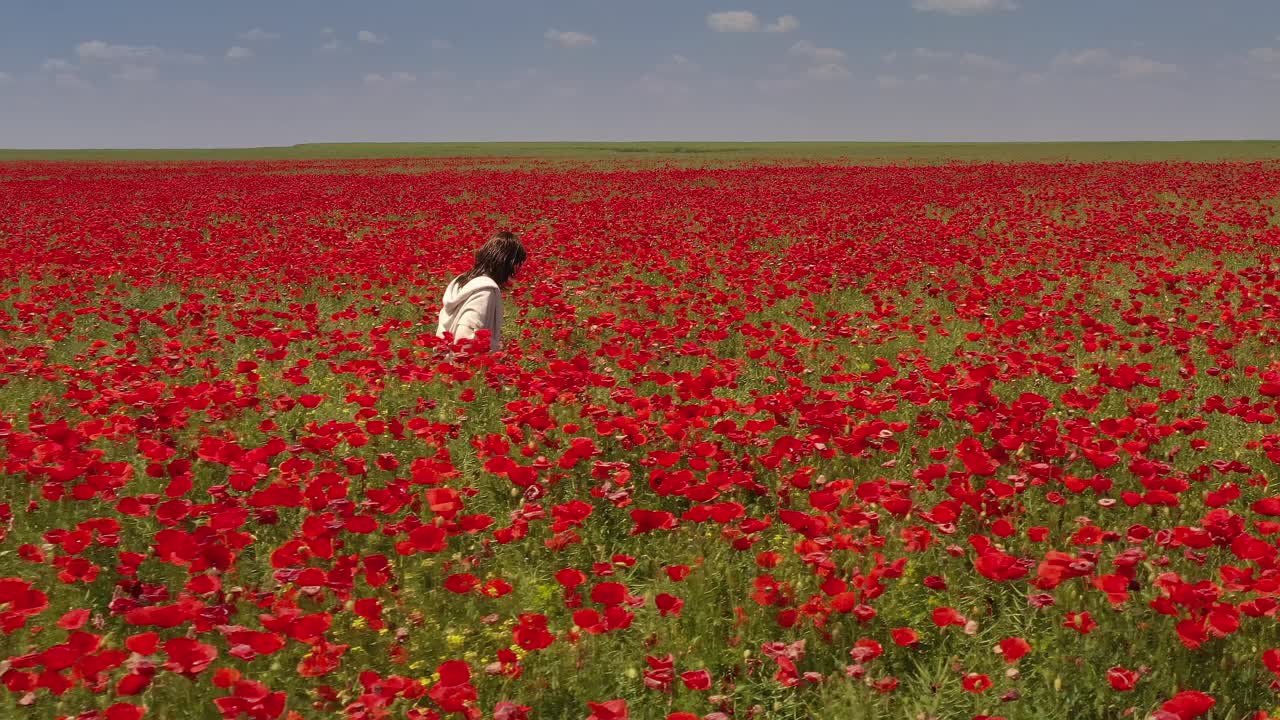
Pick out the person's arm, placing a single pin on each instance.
(495, 322)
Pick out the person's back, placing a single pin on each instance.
(473, 301)
(469, 308)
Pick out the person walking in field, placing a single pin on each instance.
(473, 300)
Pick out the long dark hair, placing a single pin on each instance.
(499, 258)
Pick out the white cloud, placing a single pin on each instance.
(259, 35)
(98, 50)
(331, 42)
(569, 38)
(806, 49)
(677, 63)
(1263, 62)
(823, 62)
(969, 60)
(656, 84)
(136, 74)
(441, 44)
(69, 80)
(733, 21)
(786, 78)
(786, 23)
(1106, 62)
(394, 80)
(1082, 58)
(239, 53)
(928, 54)
(57, 65)
(746, 21)
(521, 79)
(963, 7)
(783, 83)
(1265, 55)
(984, 62)
(829, 70)
(368, 37)
(955, 67)
(669, 78)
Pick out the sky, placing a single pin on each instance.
(234, 73)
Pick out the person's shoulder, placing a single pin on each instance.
(484, 283)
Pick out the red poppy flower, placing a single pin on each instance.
(124, 711)
(188, 657)
(1121, 679)
(696, 679)
(609, 593)
(905, 637)
(609, 710)
(976, 683)
(944, 616)
(1189, 704)
(1014, 649)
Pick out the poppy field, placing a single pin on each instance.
(784, 440)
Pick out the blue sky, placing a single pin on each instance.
(152, 73)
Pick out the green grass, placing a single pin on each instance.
(693, 152)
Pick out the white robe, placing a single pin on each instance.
(466, 310)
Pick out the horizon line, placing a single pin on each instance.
(631, 142)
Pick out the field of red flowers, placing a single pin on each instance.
(967, 441)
